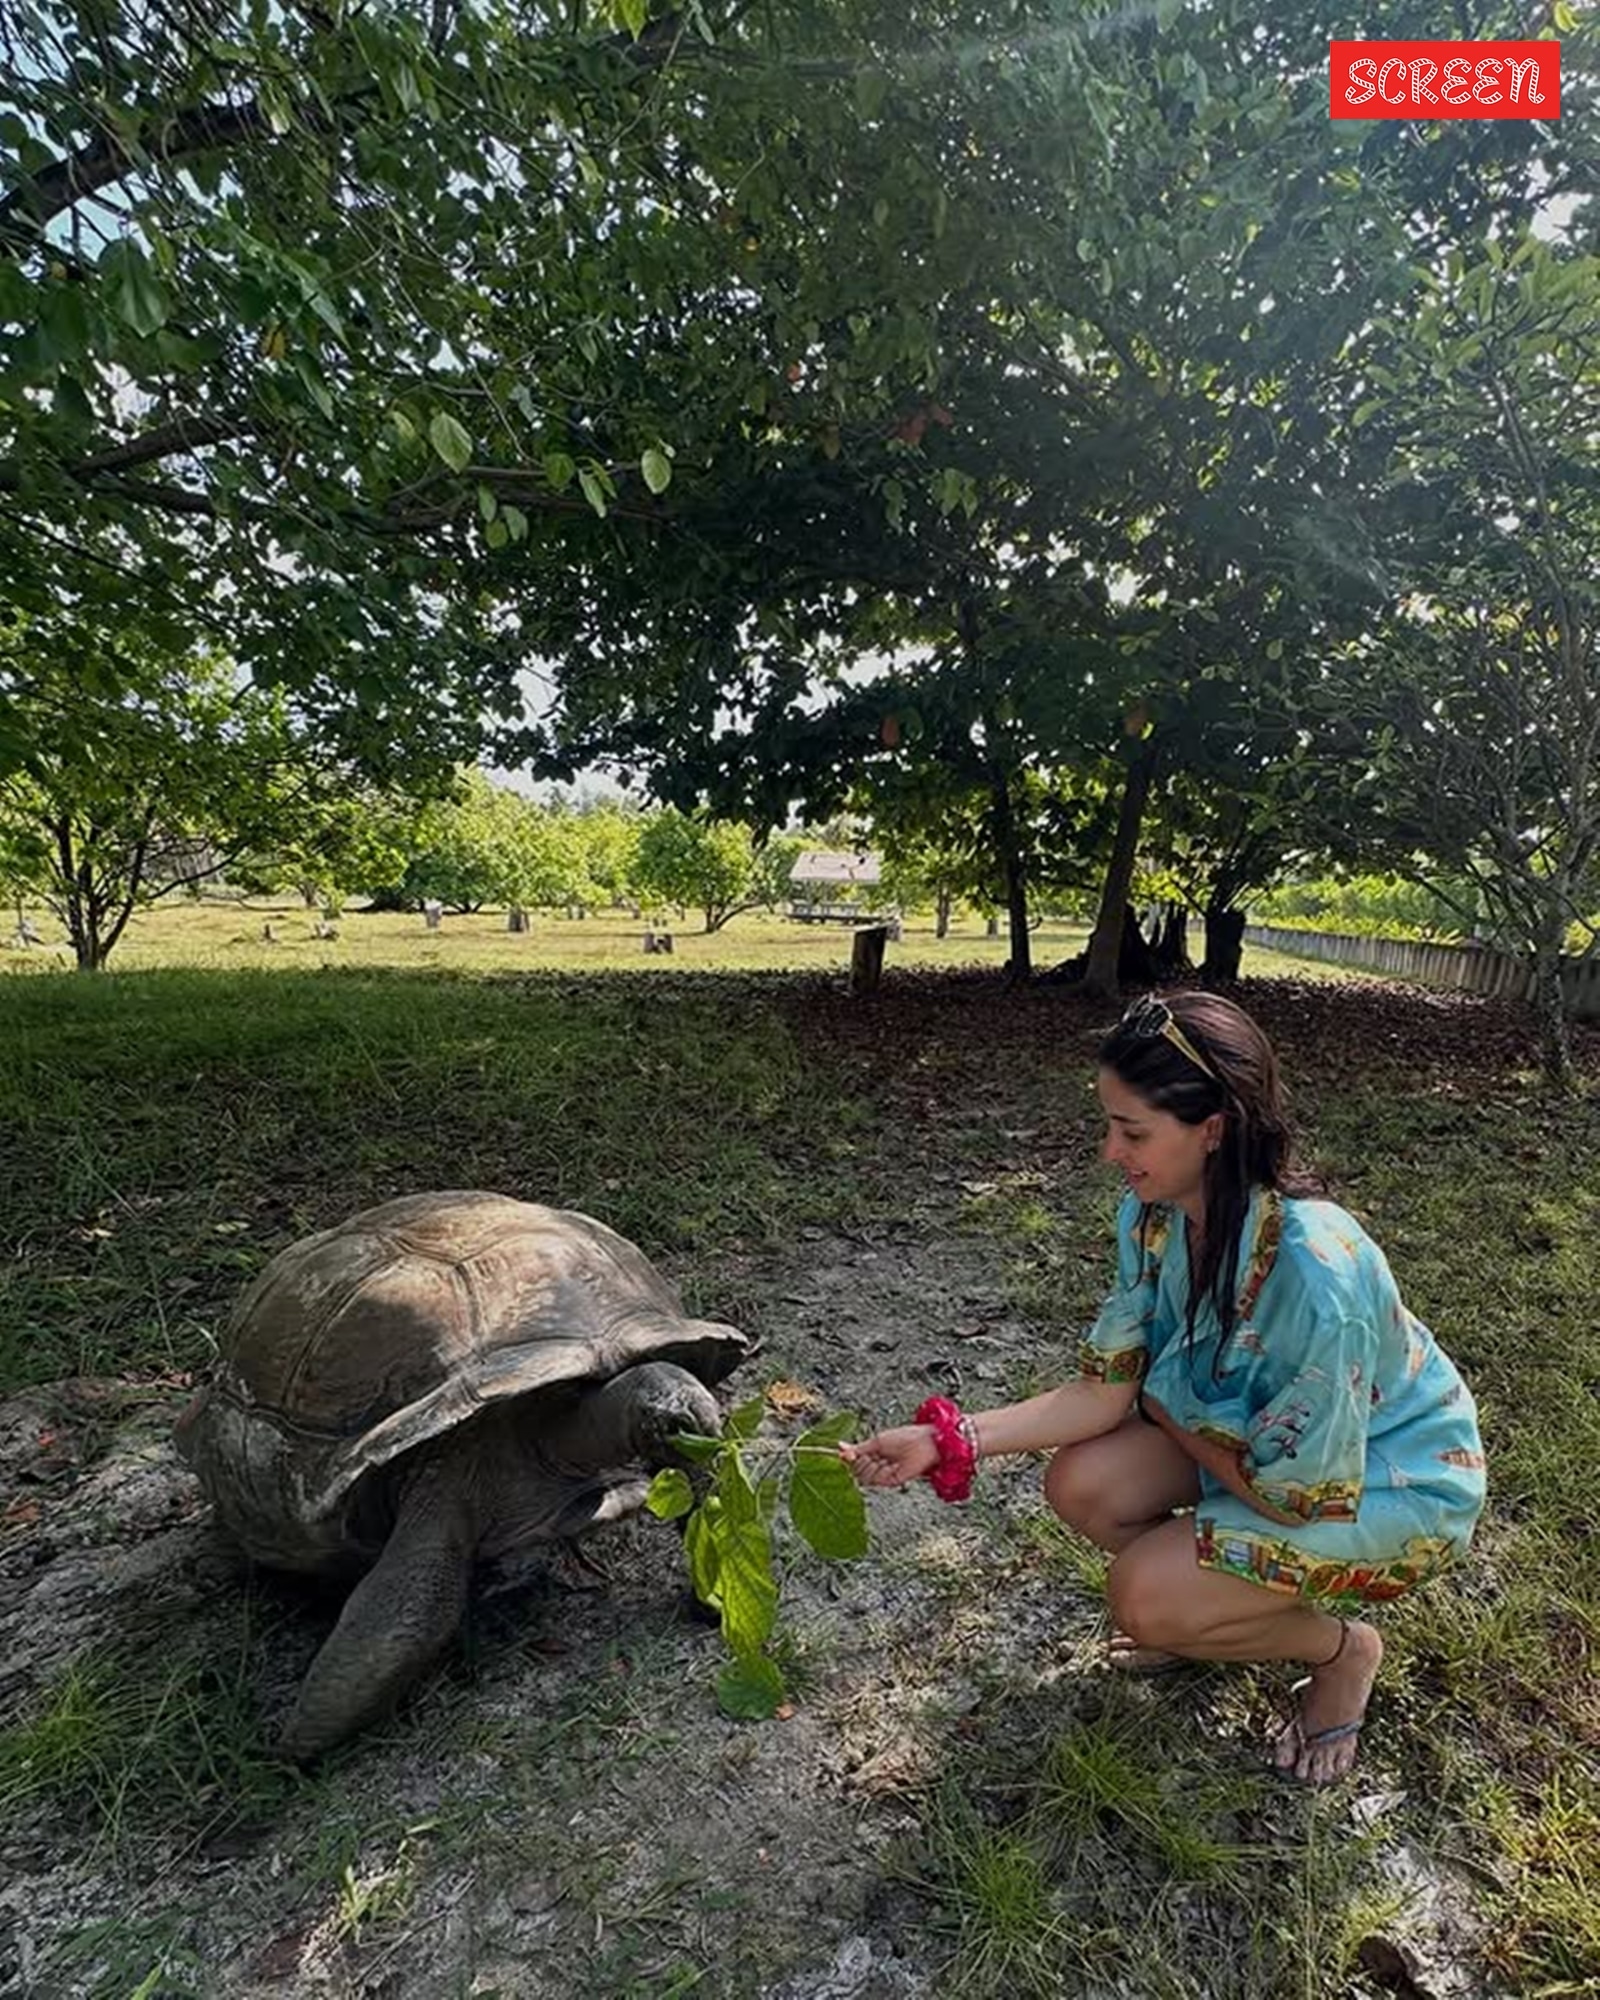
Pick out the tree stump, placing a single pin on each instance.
(516, 918)
(268, 934)
(431, 914)
(324, 931)
(658, 941)
(866, 958)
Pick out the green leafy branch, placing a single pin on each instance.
(728, 1533)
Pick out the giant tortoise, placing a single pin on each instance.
(439, 1379)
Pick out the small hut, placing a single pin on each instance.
(825, 888)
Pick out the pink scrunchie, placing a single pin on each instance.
(952, 1477)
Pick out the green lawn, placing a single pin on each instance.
(163, 1131)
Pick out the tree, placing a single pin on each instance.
(347, 836)
(141, 779)
(487, 844)
(1481, 696)
(713, 864)
(608, 841)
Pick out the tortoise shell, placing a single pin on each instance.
(364, 1341)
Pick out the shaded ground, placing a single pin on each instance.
(565, 1813)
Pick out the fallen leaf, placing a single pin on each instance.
(791, 1399)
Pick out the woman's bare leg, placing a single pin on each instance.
(1163, 1598)
(1116, 1488)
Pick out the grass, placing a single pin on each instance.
(226, 936)
(165, 1130)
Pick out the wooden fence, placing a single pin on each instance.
(1472, 968)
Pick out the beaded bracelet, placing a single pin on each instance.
(957, 1441)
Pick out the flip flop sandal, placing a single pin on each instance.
(1304, 1741)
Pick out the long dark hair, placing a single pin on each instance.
(1236, 1075)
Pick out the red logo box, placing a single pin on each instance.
(1444, 79)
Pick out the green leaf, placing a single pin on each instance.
(699, 1450)
(497, 534)
(72, 405)
(657, 470)
(832, 1430)
(634, 14)
(558, 469)
(703, 1553)
(1564, 17)
(750, 1689)
(516, 522)
(747, 1590)
(1274, 649)
(138, 295)
(872, 88)
(825, 1503)
(450, 441)
(593, 491)
(402, 426)
(488, 506)
(745, 1419)
(670, 1494)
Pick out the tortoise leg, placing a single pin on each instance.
(632, 1416)
(399, 1618)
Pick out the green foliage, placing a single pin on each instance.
(1363, 906)
(486, 844)
(728, 1537)
(145, 772)
(713, 865)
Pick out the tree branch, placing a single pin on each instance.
(40, 197)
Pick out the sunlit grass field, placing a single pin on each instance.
(229, 936)
(224, 935)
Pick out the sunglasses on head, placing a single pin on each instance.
(1149, 1017)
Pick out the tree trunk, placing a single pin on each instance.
(1020, 964)
(941, 914)
(1105, 946)
(308, 894)
(1224, 945)
(1171, 942)
(1549, 1006)
(87, 946)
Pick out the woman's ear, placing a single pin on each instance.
(1214, 1128)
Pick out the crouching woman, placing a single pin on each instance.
(1260, 1433)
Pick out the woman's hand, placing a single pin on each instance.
(893, 1458)
(1225, 1466)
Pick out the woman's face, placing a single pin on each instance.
(1160, 1157)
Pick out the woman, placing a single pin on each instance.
(1254, 1365)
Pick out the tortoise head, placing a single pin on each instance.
(663, 1401)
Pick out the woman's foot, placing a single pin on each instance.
(1127, 1656)
(1319, 1744)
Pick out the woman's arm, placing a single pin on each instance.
(1077, 1410)
(1224, 1466)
